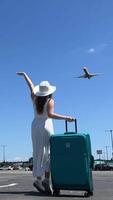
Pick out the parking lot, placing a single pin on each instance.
(18, 185)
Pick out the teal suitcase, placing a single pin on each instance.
(71, 162)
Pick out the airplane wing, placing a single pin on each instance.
(80, 77)
(95, 74)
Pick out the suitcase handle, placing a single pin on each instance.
(66, 126)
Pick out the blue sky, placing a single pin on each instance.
(53, 40)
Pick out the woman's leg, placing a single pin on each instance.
(38, 147)
(46, 181)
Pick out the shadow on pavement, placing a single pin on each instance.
(32, 193)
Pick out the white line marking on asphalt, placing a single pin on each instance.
(10, 185)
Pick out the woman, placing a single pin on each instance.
(42, 128)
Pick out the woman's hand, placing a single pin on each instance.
(70, 119)
(20, 73)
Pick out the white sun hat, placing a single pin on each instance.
(44, 89)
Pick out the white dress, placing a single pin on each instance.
(42, 128)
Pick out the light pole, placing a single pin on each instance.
(107, 152)
(104, 155)
(111, 133)
(3, 146)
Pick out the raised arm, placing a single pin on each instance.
(28, 81)
(51, 114)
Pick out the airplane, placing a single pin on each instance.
(87, 74)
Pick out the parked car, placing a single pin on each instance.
(103, 167)
(10, 168)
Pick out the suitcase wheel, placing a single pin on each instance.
(56, 192)
(88, 193)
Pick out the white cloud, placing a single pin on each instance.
(91, 50)
(98, 48)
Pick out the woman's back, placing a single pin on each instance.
(41, 120)
(42, 115)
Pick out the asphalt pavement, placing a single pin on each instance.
(18, 185)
